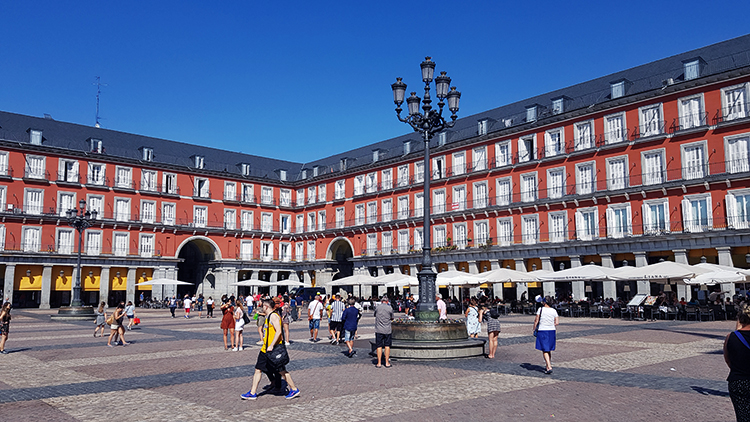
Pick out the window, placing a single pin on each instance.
(248, 195)
(66, 201)
(245, 169)
(459, 163)
(691, 112)
(387, 179)
(418, 172)
(418, 204)
(481, 127)
(556, 183)
(558, 105)
(438, 167)
(321, 220)
(697, 215)
(34, 201)
(122, 209)
(246, 250)
(285, 251)
(442, 137)
(300, 223)
(585, 175)
(201, 188)
(300, 197)
(230, 219)
(459, 198)
(619, 219)
(35, 137)
(299, 251)
(372, 244)
(617, 89)
(438, 200)
(558, 222)
(734, 102)
(3, 197)
(460, 237)
(584, 134)
(120, 244)
(359, 214)
(311, 194)
(692, 69)
(418, 239)
(96, 145)
(479, 159)
(198, 161)
(340, 190)
(387, 210)
(148, 154)
(505, 231)
(169, 181)
(386, 242)
(403, 175)
(530, 229)
(148, 212)
(3, 163)
(285, 197)
(527, 149)
(359, 185)
(340, 217)
(266, 251)
(200, 216)
(96, 174)
(554, 142)
(266, 222)
(481, 232)
(372, 212)
(531, 113)
(587, 223)
(68, 171)
(311, 250)
(617, 173)
(736, 148)
(322, 193)
(230, 191)
(738, 208)
(502, 154)
(168, 213)
(403, 207)
(65, 241)
(372, 182)
(503, 191)
(124, 177)
(35, 167)
(440, 238)
(653, 167)
(266, 195)
(246, 220)
(655, 216)
(282, 174)
(146, 245)
(148, 180)
(403, 241)
(480, 195)
(694, 160)
(93, 242)
(651, 122)
(96, 203)
(32, 239)
(528, 187)
(615, 128)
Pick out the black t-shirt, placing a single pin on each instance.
(739, 357)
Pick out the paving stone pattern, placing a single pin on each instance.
(177, 369)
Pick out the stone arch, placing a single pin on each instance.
(204, 244)
(195, 254)
(336, 245)
(341, 250)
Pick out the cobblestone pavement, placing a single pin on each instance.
(177, 369)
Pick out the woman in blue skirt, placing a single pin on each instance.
(544, 325)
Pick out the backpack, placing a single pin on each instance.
(494, 314)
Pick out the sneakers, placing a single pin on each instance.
(249, 396)
(259, 343)
(292, 394)
(4, 352)
(286, 343)
(234, 349)
(548, 372)
(239, 349)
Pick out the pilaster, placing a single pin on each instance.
(47, 287)
(10, 279)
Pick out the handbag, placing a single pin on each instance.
(246, 318)
(136, 320)
(110, 320)
(536, 329)
(279, 356)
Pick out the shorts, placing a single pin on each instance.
(187, 310)
(261, 320)
(336, 325)
(130, 316)
(114, 327)
(200, 308)
(382, 340)
(238, 325)
(265, 365)
(349, 335)
(314, 324)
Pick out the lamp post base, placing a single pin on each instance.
(74, 313)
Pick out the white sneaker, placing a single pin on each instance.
(240, 349)
(286, 343)
(234, 349)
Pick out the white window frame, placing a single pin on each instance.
(439, 207)
(321, 220)
(530, 191)
(554, 147)
(285, 197)
(739, 164)
(300, 197)
(299, 223)
(167, 219)
(340, 217)
(246, 250)
(692, 171)
(31, 238)
(648, 178)
(146, 245)
(266, 250)
(582, 187)
(582, 228)
(120, 250)
(312, 194)
(480, 199)
(418, 204)
(65, 249)
(322, 193)
(457, 167)
(97, 178)
(649, 126)
(266, 222)
(119, 215)
(459, 198)
(72, 203)
(200, 216)
(504, 239)
(740, 112)
(36, 208)
(527, 237)
(691, 224)
(36, 167)
(145, 218)
(403, 207)
(612, 136)
(246, 220)
(285, 251)
(524, 155)
(403, 175)
(503, 158)
(403, 241)
(438, 167)
(692, 119)
(202, 187)
(460, 235)
(386, 210)
(124, 177)
(285, 228)
(736, 219)
(371, 182)
(386, 242)
(418, 172)
(4, 163)
(649, 226)
(340, 190)
(481, 232)
(557, 235)
(439, 236)
(359, 184)
(65, 174)
(311, 250)
(359, 214)
(93, 248)
(372, 212)
(612, 179)
(479, 158)
(556, 192)
(230, 218)
(230, 191)
(266, 195)
(169, 183)
(386, 177)
(500, 198)
(583, 141)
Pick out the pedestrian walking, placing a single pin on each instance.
(314, 315)
(442, 307)
(260, 320)
(4, 326)
(199, 305)
(130, 313)
(172, 305)
(473, 326)
(239, 324)
(271, 356)
(286, 319)
(493, 331)
(116, 327)
(349, 320)
(187, 304)
(227, 322)
(101, 319)
(544, 328)
(737, 357)
(210, 307)
(335, 320)
(383, 318)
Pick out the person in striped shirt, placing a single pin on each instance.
(337, 313)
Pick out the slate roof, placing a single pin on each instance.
(718, 58)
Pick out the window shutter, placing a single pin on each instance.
(646, 213)
(710, 212)
(687, 216)
(610, 222)
(731, 206)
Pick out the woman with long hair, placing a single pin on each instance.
(473, 326)
(737, 357)
(286, 318)
(239, 324)
(101, 319)
(130, 313)
(545, 325)
(116, 327)
(227, 321)
(4, 326)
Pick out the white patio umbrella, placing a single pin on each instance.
(714, 277)
(252, 283)
(717, 267)
(506, 275)
(661, 271)
(396, 279)
(457, 278)
(163, 282)
(353, 280)
(590, 272)
(288, 283)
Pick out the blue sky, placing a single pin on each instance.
(303, 80)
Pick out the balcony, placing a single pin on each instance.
(36, 175)
(736, 113)
(68, 178)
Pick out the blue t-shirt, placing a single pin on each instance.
(350, 318)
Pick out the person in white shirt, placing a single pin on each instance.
(544, 326)
(441, 306)
(314, 315)
(186, 304)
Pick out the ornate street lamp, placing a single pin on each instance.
(80, 219)
(428, 123)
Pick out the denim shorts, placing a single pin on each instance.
(314, 324)
(349, 335)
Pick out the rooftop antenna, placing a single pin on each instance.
(98, 93)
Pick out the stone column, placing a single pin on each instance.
(610, 287)
(725, 255)
(520, 264)
(130, 285)
(230, 276)
(607, 260)
(521, 287)
(575, 261)
(579, 290)
(47, 287)
(10, 281)
(642, 286)
(640, 259)
(497, 288)
(104, 285)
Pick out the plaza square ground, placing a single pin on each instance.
(177, 369)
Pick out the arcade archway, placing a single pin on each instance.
(195, 255)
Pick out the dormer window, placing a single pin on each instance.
(442, 137)
(692, 68)
(316, 170)
(35, 136)
(198, 160)
(245, 169)
(508, 122)
(282, 175)
(407, 147)
(148, 154)
(531, 113)
(558, 105)
(375, 155)
(96, 145)
(482, 127)
(618, 88)
(304, 174)
(342, 164)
